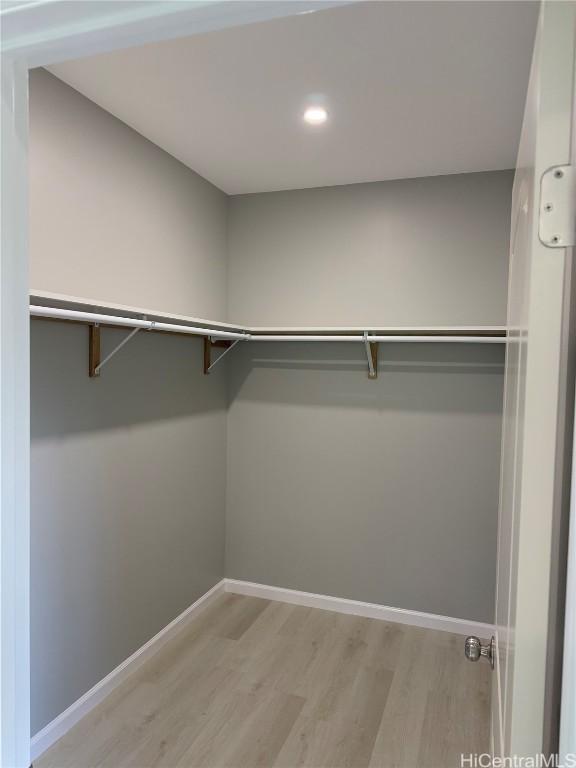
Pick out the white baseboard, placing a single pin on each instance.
(359, 608)
(60, 725)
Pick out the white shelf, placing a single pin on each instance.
(62, 301)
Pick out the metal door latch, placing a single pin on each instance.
(474, 650)
(557, 224)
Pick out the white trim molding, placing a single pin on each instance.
(50, 734)
(14, 423)
(568, 703)
(48, 31)
(359, 608)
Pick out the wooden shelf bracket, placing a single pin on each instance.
(93, 350)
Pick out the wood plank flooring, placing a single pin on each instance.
(257, 683)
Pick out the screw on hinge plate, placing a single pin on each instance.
(557, 225)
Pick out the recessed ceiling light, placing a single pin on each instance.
(315, 115)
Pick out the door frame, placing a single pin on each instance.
(38, 33)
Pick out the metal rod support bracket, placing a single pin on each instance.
(208, 344)
(116, 349)
(371, 355)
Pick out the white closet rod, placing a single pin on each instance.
(131, 322)
(390, 337)
(215, 333)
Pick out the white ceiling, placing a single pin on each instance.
(412, 89)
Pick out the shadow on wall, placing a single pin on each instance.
(154, 377)
(158, 377)
(412, 377)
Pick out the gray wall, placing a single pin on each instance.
(387, 490)
(115, 218)
(384, 491)
(430, 251)
(127, 501)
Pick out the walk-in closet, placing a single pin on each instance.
(269, 329)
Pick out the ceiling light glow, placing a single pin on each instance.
(315, 115)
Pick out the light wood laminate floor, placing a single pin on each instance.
(257, 683)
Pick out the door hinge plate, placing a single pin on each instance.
(557, 227)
